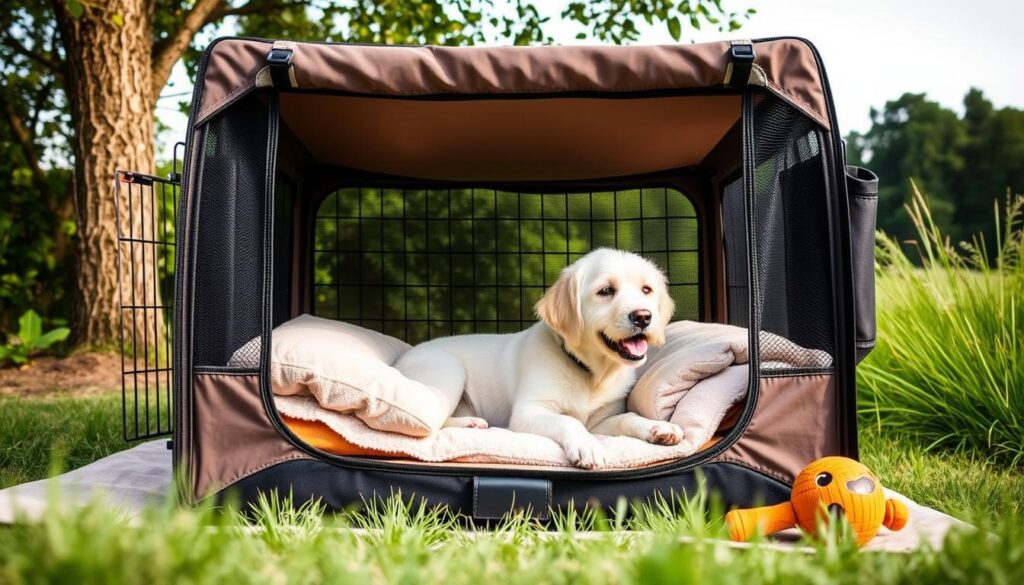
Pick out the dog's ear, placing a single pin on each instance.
(666, 306)
(560, 306)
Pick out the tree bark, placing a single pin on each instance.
(109, 86)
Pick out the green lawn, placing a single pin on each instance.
(38, 434)
(410, 545)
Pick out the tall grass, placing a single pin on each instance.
(949, 365)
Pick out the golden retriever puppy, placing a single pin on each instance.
(567, 376)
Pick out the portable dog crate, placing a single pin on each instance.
(429, 191)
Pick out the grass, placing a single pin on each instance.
(948, 370)
(401, 542)
(970, 487)
(408, 544)
(36, 433)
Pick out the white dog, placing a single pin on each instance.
(568, 375)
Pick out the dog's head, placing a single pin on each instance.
(609, 303)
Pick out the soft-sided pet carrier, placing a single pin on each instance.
(431, 191)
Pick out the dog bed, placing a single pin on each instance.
(334, 384)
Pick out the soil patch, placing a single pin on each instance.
(83, 374)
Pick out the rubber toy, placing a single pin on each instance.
(826, 488)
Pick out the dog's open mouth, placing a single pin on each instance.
(631, 348)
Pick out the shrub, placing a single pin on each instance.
(30, 339)
(949, 364)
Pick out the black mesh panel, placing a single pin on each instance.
(734, 238)
(229, 250)
(792, 237)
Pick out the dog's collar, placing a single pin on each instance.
(575, 359)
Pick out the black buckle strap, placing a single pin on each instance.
(741, 60)
(279, 61)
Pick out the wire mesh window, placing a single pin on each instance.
(420, 264)
(146, 208)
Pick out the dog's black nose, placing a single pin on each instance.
(641, 318)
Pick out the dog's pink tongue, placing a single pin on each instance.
(635, 345)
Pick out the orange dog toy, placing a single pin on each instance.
(828, 486)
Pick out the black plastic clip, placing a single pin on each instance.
(279, 60)
(741, 61)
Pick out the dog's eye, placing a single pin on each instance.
(606, 291)
(647, 290)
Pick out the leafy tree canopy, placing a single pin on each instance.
(963, 162)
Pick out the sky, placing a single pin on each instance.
(874, 50)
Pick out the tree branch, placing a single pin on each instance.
(56, 67)
(41, 99)
(167, 52)
(24, 138)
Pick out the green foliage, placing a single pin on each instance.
(30, 339)
(616, 21)
(949, 366)
(962, 162)
(36, 223)
(74, 8)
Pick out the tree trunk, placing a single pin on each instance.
(109, 86)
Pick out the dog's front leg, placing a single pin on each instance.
(581, 448)
(630, 424)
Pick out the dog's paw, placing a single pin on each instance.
(587, 454)
(466, 422)
(664, 433)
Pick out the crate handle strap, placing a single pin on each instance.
(279, 72)
(741, 64)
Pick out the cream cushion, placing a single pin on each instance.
(347, 369)
(703, 369)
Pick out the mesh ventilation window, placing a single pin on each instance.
(791, 227)
(420, 264)
(284, 218)
(229, 259)
(734, 239)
